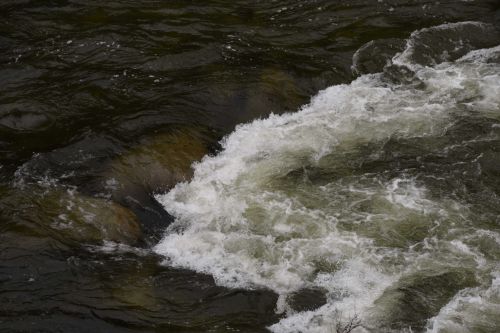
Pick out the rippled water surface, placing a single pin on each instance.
(347, 166)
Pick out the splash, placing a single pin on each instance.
(344, 196)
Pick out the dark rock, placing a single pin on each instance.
(373, 56)
(307, 299)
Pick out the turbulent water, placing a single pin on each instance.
(286, 166)
(380, 193)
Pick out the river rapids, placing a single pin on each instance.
(381, 195)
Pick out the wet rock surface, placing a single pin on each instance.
(152, 166)
(375, 55)
(68, 216)
(155, 164)
(307, 299)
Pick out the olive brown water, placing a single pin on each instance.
(250, 167)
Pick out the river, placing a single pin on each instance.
(270, 166)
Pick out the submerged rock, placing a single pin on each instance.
(155, 164)
(231, 100)
(419, 297)
(448, 42)
(373, 56)
(156, 291)
(275, 92)
(22, 121)
(102, 219)
(127, 182)
(68, 216)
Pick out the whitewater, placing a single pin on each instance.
(379, 194)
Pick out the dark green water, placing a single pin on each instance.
(103, 104)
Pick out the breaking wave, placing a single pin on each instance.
(380, 194)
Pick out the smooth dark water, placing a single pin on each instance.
(103, 104)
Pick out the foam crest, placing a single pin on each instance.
(446, 42)
(471, 310)
(277, 209)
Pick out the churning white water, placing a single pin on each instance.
(361, 194)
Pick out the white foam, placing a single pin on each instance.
(471, 310)
(111, 247)
(241, 220)
(414, 42)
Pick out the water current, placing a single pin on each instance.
(312, 166)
